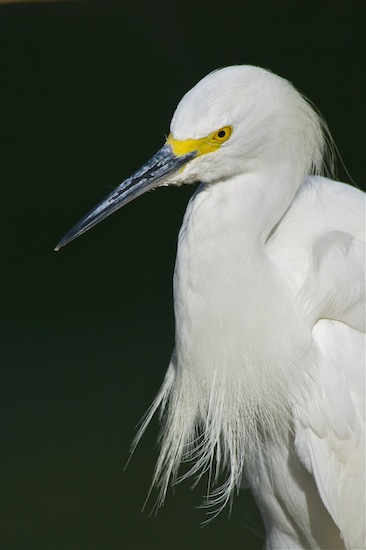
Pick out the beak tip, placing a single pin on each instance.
(64, 241)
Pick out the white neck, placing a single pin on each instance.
(222, 270)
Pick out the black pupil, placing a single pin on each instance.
(221, 134)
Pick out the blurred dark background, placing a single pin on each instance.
(87, 92)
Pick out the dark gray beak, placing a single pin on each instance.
(157, 170)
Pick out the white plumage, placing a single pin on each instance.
(267, 378)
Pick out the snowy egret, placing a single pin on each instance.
(266, 381)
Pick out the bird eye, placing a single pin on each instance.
(222, 135)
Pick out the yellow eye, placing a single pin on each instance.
(222, 135)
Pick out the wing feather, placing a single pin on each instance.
(330, 429)
(330, 426)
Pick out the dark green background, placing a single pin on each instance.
(87, 92)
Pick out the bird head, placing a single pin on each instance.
(235, 120)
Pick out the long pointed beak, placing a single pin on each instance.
(152, 174)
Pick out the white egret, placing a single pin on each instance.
(266, 380)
